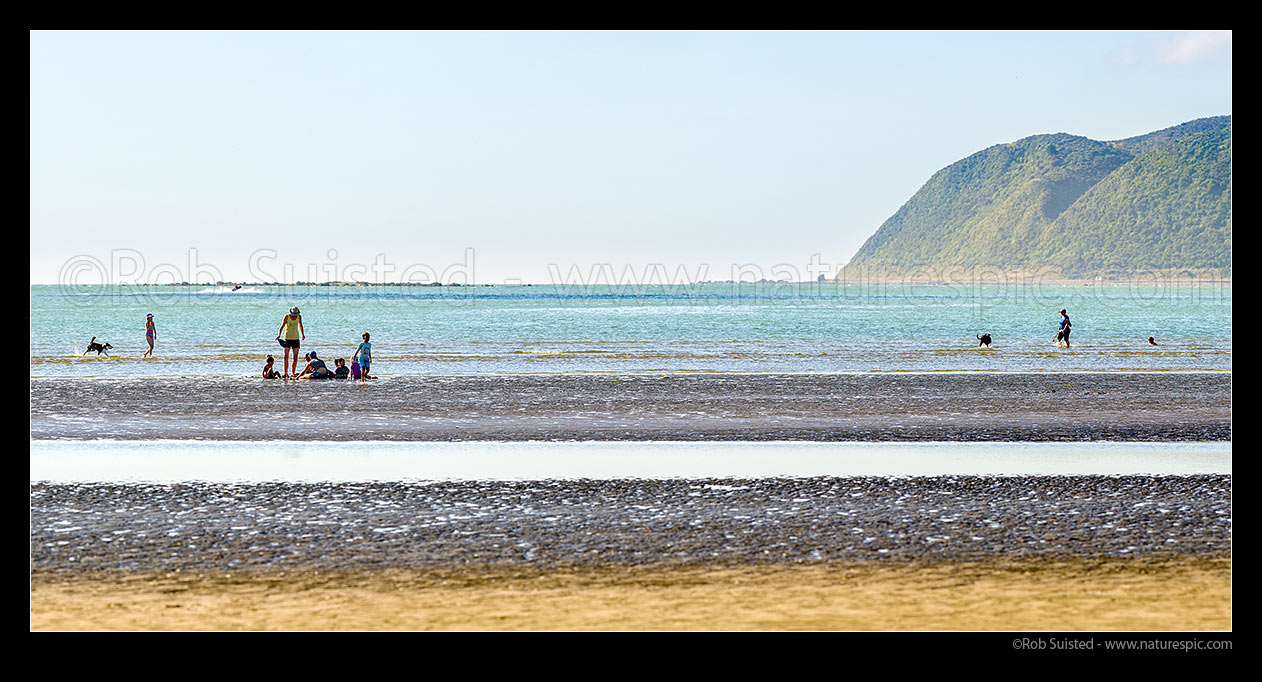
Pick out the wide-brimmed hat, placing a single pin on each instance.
(294, 310)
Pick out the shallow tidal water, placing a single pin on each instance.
(213, 331)
(365, 461)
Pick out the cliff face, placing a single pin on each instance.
(1077, 206)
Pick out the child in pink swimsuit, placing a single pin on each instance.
(151, 334)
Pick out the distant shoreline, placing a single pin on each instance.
(847, 282)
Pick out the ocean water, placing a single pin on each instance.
(213, 331)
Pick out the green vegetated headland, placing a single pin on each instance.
(1068, 206)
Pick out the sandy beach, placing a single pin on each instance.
(840, 330)
(1133, 594)
(1085, 552)
(954, 552)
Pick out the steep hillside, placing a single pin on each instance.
(1075, 205)
(1168, 208)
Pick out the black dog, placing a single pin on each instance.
(99, 348)
(984, 339)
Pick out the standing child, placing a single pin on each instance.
(151, 334)
(363, 355)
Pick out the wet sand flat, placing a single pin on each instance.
(848, 553)
(1083, 594)
(196, 527)
(966, 552)
(732, 406)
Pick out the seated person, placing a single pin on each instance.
(342, 372)
(269, 372)
(315, 369)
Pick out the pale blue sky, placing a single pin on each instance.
(563, 149)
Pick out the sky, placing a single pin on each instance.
(492, 157)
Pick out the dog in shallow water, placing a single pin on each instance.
(984, 340)
(98, 347)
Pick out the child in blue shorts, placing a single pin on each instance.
(363, 355)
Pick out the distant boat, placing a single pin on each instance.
(236, 287)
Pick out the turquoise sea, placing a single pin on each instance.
(211, 330)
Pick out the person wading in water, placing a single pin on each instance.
(151, 334)
(1062, 335)
(291, 335)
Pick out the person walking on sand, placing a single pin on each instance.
(1062, 334)
(291, 335)
(363, 355)
(151, 334)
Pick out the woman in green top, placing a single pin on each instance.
(291, 329)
